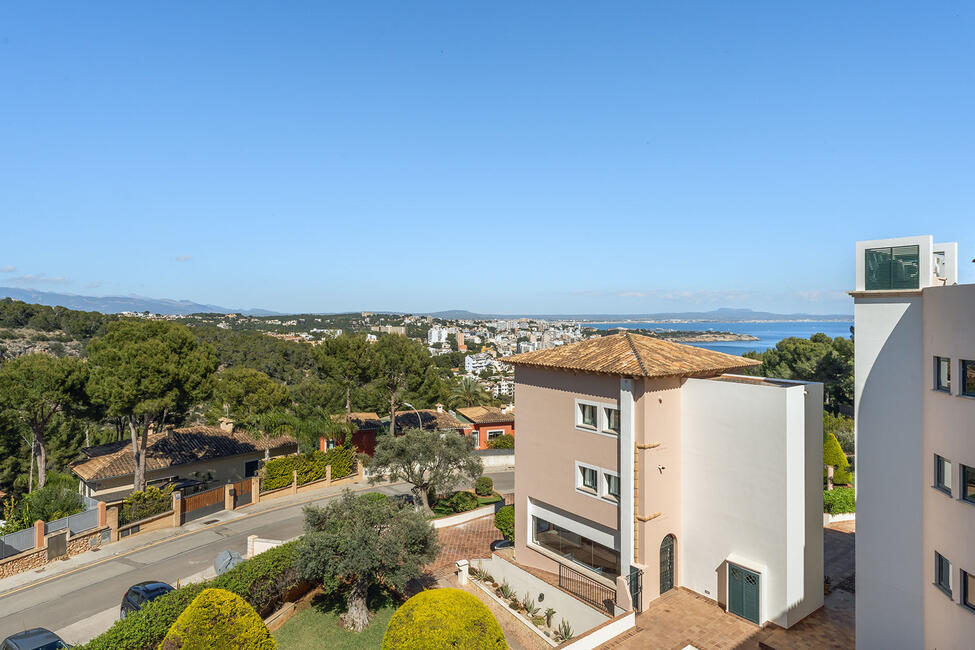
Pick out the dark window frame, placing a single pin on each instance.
(944, 388)
(966, 389)
(891, 268)
(939, 474)
(967, 597)
(942, 573)
(963, 496)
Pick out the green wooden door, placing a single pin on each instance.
(667, 564)
(743, 592)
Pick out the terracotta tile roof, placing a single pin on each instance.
(633, 355)
(429, 419)
(486, 414)
(172, 448)
(362, 420)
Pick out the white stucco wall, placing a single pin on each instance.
(752, 492)
(888, 412)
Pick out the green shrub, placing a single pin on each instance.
(141, 505)
(278, 472)
(262, 581)
(839, 500)
(484, 486)
(503, 442)
(375, 497)
(463, 501)
(218, 620)
(53, 501)
(504, 521)
(443, 618)
(833, 455)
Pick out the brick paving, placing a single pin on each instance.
(681, 617)
(464, 542)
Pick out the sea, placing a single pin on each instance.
(768, 332)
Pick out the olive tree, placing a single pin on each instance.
(357, 541)
(428, 460)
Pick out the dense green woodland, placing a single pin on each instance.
(134, 374)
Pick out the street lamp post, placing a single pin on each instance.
(419, 420)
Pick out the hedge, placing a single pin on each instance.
(839, 500)
(503, 442)
(443, 618)
(278, 472)
(219, 620)
(142, 505)
(262, 581)
(504, 521)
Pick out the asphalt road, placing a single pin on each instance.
(82, 602)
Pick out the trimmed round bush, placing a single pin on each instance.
(463, 501)
(443, 618)
(504, 521)
(218, 620)
(484, 486)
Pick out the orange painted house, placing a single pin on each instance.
(488, 422)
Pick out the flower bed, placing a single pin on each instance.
(543, 619)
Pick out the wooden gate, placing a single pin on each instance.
(202, 504)
(242, 492)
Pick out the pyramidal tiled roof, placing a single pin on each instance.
(633, 355)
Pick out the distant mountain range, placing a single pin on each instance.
(116, 304)
(724, 315)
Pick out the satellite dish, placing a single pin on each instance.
(226, 560)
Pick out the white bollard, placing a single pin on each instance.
(463, 567)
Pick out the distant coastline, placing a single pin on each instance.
(696, 320)
(680, 336)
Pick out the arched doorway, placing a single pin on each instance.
(668, 560)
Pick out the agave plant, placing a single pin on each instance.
(564, 631)
(506, 590)
(530, 606)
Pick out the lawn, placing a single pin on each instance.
(318, 626)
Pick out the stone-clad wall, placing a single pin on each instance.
(36, 558)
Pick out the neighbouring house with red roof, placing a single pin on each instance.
(488, 422)
(367, 425)
(190, 457)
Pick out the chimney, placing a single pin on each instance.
(226, 424)
(504, 410)
(439, 408)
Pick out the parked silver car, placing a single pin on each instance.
(35, 639)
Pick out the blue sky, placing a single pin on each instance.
(504, 157)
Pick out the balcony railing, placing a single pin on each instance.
(595, 593)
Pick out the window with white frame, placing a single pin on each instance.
(587, 478)
(611, 485)
(586, 415)
(611, 419)
(494, 433)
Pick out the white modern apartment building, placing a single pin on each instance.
(475, 364)
(915, 446)
(436, 335)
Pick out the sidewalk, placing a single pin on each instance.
(142, 541)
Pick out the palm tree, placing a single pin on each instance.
(468, 392)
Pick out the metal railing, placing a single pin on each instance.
(76, 523)
(595, 593)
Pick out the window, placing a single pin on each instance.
(250, 468)
(892, 268)
(611, 485)
(612, 422)
(968, 590)
(942, 573)
(575, 547)
(587, 478)
(968, 484)
(587, 415)
(494, 433)
(968, 378)
(942, 474)
(942, 374)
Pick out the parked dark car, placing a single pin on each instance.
(35, 639)
(140, 594)
(501, 543)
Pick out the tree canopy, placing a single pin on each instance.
(356, 541)
(245, 395)
(431, 461)
(818, 358)
(146, 372)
